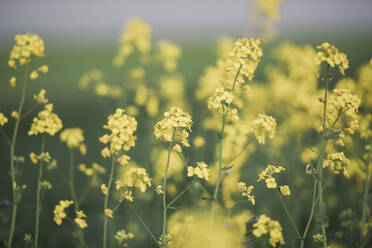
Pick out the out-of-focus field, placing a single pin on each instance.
(78, 108)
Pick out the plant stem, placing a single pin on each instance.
(365, 197)
(12, 152)
(143, 223)
(38, 194)
(183, 192)
(290, 217)
(106, 202)
(221, 134)
(320, 165)
(74, 195)
(319, 177)
(165, 188)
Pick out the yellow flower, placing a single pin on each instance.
(169, 54)
(122, 128)
(80, 219)
(3, 119)
(199, 141)
(219, 99)
(121, 236)
(136, 34)
(134, 178)
(332, 56)
(285, 190)
(12, 81)
(27, 237)
(270, 183)
(318, 237)
(14, 114)
(175, 126)
(266, 225)
(159, 189)
(46, 122)
(41, 97)
(123, 160)
(26, 46)
(201, 171)
(34, 74)
(263, 126)
(177, 148)
(59, 211)
(104, 189)
(73, 137)
(336, 163)
(43, 69)
(246, 192)
(45, 185)
(108, 213)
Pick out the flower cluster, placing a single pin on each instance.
(26, 46)
(80, 219)
(266, 225)
(220, 98)
(285, 190)
(122, 129)
(245, 54)
(122, 236)
(136, 34)
(264, 126)
(46, 122)
(169, 53)
(336, 163)
(135, 178)
(246, 192)
(343, 100)
(175, 127)
(44, 156)
(3, 119)
(268, 174)
(73, 137)
(201, 170)
(331, 55)
(59, 211)
(40, 98)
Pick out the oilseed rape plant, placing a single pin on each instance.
(256, 152)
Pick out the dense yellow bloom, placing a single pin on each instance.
(169, 53)
(134, 178)
(220, 99)
(245, 54)
(3, 119)
(123, 160)
(122, 129)
(46, 122)
(336, 163)
(59, 211)
(201, 171)
(268, 174)
(13, 81)
(285, 190)
(26, 46)
(246, 192)
(266, 225)
(108, 212)
(122, 237)
(175, 127)
(136, 34)
(331, 55)
(264, 126)
(80, 219)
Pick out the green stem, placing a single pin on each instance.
(74, 195)
(183, 192)
(365, 197)
(221, 134)
(12, 152)
(290, 217)
(38, 194)
(106, 203)
(165, 188)
(143, 223)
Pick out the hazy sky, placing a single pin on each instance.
(102, 20)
